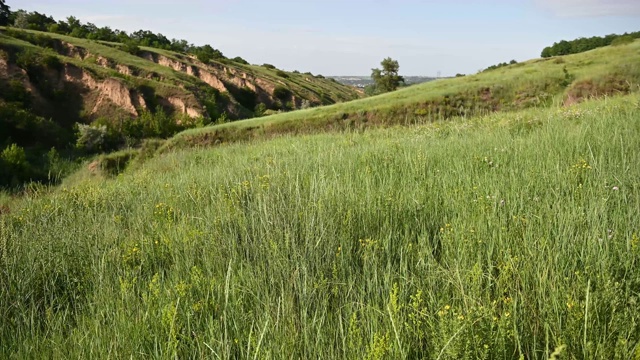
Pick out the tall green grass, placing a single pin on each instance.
(507, 236)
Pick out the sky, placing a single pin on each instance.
(350, 37)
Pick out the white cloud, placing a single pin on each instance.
(591, 8)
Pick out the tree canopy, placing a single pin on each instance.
(387, 78)
(5, 12)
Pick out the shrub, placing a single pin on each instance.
(15, 91)
(26, 129)
(260, 110)
(131, 47)
(268, 66)
(282, 93)
(289, 105)
(52, 62)
(282, 74)
(240, 60)
(91, 138)
(203, 57)
(158, 124)
(14, 157)
(115, 163)
(14, 167)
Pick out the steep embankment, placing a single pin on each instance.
(111, 81)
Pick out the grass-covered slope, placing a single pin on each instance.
(608, 71)
(507, 236)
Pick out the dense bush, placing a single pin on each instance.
(91, 138)
(26, 129)
(260, 110)
(131, 47)
(14, 91)
(14, 167)
(282, 74)
(240, 60)
(282, 93)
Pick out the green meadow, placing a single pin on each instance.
(513, 235)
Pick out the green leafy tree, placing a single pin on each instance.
(21, 20)
(5, 13)
(131, 46)
(207, 53)
(387, 78)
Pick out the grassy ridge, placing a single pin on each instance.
(535, 83)
(504, 236)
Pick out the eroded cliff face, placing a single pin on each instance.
(180, 105)
(108, 90)
(98, 95)
(108, 81)
(220, 77)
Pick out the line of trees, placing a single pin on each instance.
(72, 26)
(499, 65)
(565, 47)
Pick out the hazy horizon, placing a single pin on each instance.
(335, 38)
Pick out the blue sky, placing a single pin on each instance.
(350, 37)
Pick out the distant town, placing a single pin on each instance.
(362, 81)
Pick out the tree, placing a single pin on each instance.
(131, 46)
(21, 20)
(206, 53)
(387, 79)
(5, 12)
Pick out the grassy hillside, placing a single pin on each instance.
(49, 83)
(608, 71)
(512, 235)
